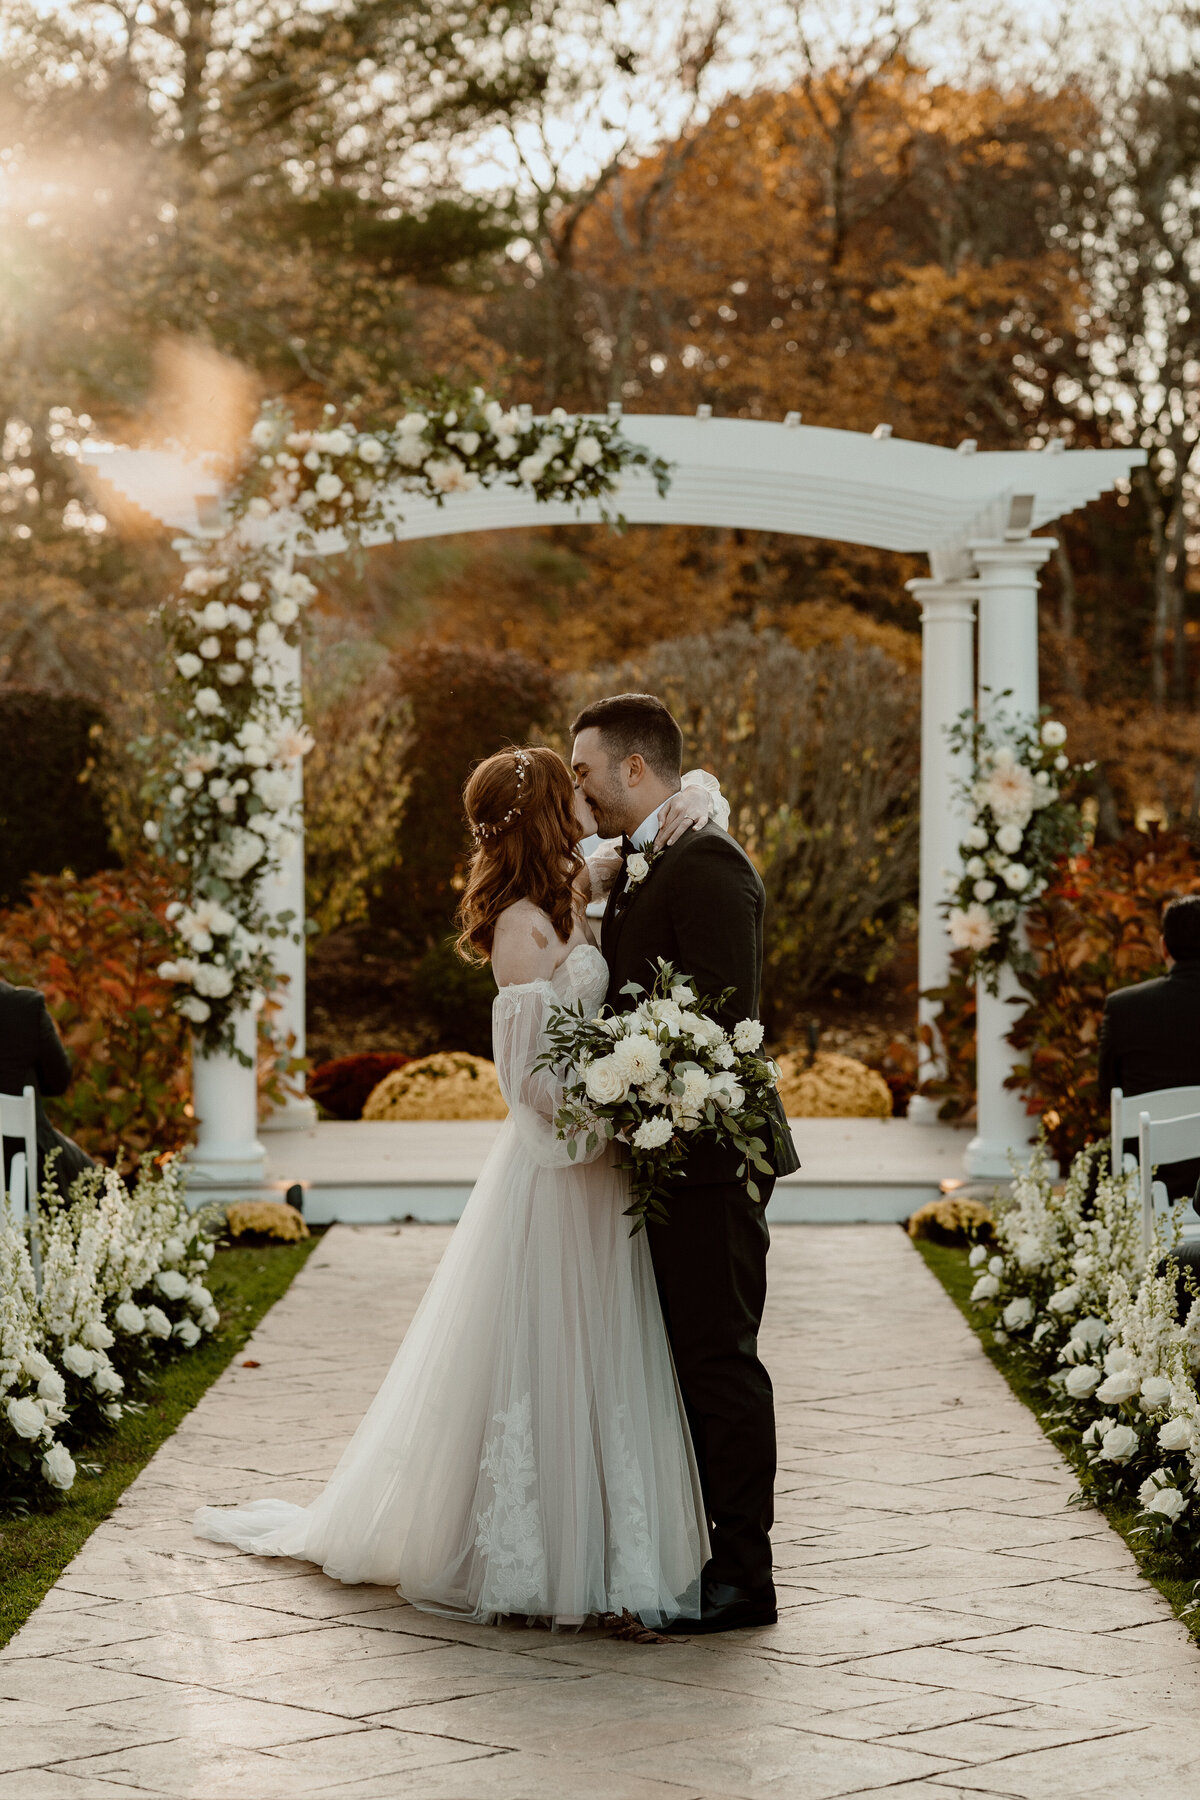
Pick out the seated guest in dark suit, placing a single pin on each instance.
(1150, 1037)
(32, 1055)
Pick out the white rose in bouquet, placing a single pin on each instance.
(58, 1467)
(1053, 734)
(157, 1322)
(986, 1288)
(978, 1255)
(97, 1336)
(130, 1318)
(747, 1036)
(171, 1283)
(1156, 1391)
(1117, 1358)
(728, 1093)
(1082, 1381)
(36, 1365)
(188, 1333)
(1018, 1313)
(606, 1081)
(26, 1418)
(1090, 1332)
(78, 1360)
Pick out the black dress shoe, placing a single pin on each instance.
(726, 1608)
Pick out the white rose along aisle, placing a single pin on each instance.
(1022, 823)
(1103, 1340)
(225, 806)
(661, 1080)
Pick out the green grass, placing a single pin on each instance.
(35, 1549)
(957, 1277)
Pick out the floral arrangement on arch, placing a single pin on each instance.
(1021, 825)
(122, 1288)
(1073, 1296)
(228, 807)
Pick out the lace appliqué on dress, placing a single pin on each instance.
(633, 1568)
(510, 1529)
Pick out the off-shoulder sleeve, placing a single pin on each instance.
(520, 1015)
(718, 803)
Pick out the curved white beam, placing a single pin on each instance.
(747, 474)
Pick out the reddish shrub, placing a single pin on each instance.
(92, 947)
(342, 1087)
(1095, 929)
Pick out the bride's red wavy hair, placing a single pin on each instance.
(526, 845)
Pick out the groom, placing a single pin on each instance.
(701, 908)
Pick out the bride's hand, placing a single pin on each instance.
(603, 867)
(690, 807)
(583, 814)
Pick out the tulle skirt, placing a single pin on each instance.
(527, 1453)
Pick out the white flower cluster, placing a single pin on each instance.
(228, 812)
(1074, 1290)
(122, 1279)
(656, 1076)
(1007, 853)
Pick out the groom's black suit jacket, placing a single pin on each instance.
(701, 908)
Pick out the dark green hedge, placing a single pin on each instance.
(50, 813)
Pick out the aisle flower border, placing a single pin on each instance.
(1020, 827)
(225, 812)
(1072, 1295)
(122, 1289)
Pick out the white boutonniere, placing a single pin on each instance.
(639, 865)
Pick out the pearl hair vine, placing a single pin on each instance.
(482, 832)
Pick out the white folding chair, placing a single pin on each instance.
(1166, 1141)
(1125, 1112)
(18, 1119)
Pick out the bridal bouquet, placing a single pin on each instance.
(660, 1080)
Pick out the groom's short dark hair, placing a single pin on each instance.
(636, 723)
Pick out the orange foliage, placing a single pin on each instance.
(1096, 929)
(92, 947)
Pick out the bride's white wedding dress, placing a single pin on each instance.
(527, 1452)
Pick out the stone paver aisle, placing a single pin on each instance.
(949, 1627)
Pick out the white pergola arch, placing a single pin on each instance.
(971, 513)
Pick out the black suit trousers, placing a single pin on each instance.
(710, 1261)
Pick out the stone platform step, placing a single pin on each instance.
(853, 1170)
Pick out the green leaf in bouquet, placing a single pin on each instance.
(752, 1190)
(633, 987)
(572, 1147)
(593, 1142)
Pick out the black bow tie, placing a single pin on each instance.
(627, 846)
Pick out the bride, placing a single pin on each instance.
(527, 1453)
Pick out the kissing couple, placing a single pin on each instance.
(577, 1422)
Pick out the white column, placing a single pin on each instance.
(947, 690)
(1008, 660)
(227, 1154)
(284, 892)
